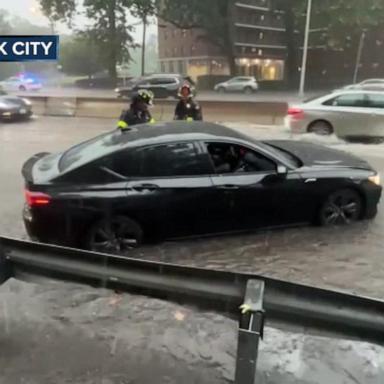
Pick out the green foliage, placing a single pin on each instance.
(59, 10)
(79, 56)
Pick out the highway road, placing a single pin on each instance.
(347, 258)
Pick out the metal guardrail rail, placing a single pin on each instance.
(251, 298)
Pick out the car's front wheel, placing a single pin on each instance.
(341, 207)
(118, 234)
(221, 90)
(22, 88)
(248, 90)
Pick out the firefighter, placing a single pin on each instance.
(138, 113)
(187, 108)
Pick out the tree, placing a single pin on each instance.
(109, 30)
(144, 9)
(79, 56)
(214, 18)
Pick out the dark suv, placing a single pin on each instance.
(162, 86)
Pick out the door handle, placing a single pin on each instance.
(228, 187)
(148, 186)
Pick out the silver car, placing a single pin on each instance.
(348, 113)
(246, 84)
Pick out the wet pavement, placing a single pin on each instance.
(346, 258)
(54, 332)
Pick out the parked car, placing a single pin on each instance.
(21, 83)
(348, 114)
(379, 83)
(162, 86)
(166, 180)
(246, 84)
(14, 107)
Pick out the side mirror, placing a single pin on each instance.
(282, 170)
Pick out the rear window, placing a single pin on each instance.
(90, 150)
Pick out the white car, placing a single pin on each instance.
(348, 114)
(246, 84)
(18, 83)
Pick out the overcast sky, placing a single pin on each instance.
(29, 9)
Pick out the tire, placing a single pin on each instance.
(340, 208)
(116, 235)
(22, 88)
(248, 90)
(221, 90)
(320, 127)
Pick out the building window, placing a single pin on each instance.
(260, 52)
(262, 17)
(184, 33)
(162, 67)
(175, 51)
(174, 32)
(182, 50)
(193, 48)
(261, 35)
(171, 68)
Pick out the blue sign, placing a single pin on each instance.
(27, 48)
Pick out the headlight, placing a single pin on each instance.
(375, 179)
(27, 102)
(3, 105)
(117, 90)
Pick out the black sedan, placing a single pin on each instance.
(178, 179)
(14, 107)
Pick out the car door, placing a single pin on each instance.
(176, 187)
(376, 105)
(348, 113)
(248, 195)
(232, 84)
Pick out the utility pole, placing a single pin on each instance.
(305, 48)
(143, 45)
(358, 58)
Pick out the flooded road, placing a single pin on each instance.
(347, 258)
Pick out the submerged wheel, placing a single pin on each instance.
(340, 208)
(321, 127)
(114, 235)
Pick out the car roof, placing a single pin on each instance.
(177, 131)
(145, 135)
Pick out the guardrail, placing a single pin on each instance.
(252, 298)
(272, 113)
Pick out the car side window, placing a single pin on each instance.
(348, 100)
(234, 158)
(176, 159)
(375, 100)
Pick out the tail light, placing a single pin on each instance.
(295, 113)
(34, 199)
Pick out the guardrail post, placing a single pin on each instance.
(250, 331)
(5, 266)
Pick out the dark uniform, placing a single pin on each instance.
(188, 110)
(138, 113)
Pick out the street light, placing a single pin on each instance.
(305, 48)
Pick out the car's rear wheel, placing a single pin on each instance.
(248, 90)
(22, 88)
(320, 127)
(118, 234)
(341, 207)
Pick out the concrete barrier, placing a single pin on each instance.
(268, 113)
